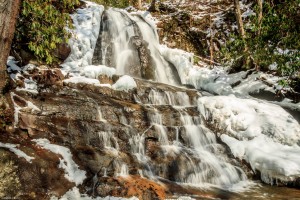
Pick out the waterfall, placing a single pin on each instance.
(130, 44)
(188, 151)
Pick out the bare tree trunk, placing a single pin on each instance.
(248, 60)
(239, 18)
(139, 4)
(260, 15)
(9, 10)
(211, 47)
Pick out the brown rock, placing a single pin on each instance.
(48, 77)
(63, 51)
(105, 79)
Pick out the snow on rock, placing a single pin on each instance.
(247, 118)
(30, 86)
(263, 134)
(93, 71)
(217, 80)
(253, 84)
(12, 69)
(17, 108)
(272, 159)
(11, 65)
(124, 83)
(19, 153)
(213, 81)
(83, 42)
(81, 79)
(74, 194)
(73, 173)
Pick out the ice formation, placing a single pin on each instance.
(73, 173)
(263, 134)
(18, 152)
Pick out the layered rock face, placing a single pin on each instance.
(145, 132)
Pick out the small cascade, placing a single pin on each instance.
(130, 44)
(210, 167)
(169, 98)
(100, 116)
(122, 170)
(95, 180)
(157, 122)
(137, 144)
(122, 119)
(104, 172)
(109, 141)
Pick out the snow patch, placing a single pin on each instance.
(73, 173)
(11, 65)
(93, 71)
(17, 108)
(272, 159)
(30, 86)
(124, 83)
(81, 79)
(74, 194)
(247, 118)
(19, 153)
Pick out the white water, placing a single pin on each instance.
(109, 141)
(119, 28)
(212, 167)
(169, 98)
(163, 71)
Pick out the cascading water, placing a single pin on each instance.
(202, 158)
(189, 151)
(128, 43)
(121, 38)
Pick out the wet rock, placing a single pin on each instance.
(63, 51)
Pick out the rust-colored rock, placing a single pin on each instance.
(130, 186)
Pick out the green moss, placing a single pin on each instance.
(114, 3)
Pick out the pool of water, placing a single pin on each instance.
(256, 191)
